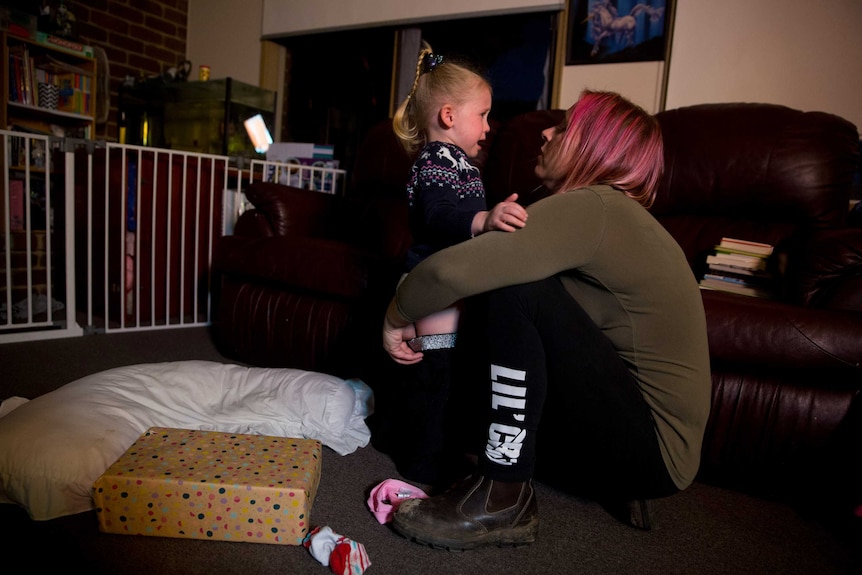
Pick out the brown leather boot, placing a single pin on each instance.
(474, 513)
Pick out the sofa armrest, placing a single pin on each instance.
(825, 270)
(294, 211)
(253, 223)
(378, 224)
(745, 330)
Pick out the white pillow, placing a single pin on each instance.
(55, 446)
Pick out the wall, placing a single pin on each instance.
(799, 53)
(804, 54)
(640, 82)
(286, 17)
(225, 35)
(140, 40)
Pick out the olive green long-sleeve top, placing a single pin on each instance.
(627, 273)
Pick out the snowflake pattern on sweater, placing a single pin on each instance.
(445, 166)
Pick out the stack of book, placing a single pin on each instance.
(740, 266)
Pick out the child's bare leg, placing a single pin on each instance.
(445, 321)
(437, 331)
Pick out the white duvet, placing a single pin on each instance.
(55, 446)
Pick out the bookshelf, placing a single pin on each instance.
(48, 86)
(64, 107)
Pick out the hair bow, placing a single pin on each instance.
(431, 62)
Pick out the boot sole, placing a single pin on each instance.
(513, 537)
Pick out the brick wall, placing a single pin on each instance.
(142, 38)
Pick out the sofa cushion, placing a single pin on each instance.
(762, 162)
(752, 331)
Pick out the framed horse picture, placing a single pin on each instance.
(609, 31)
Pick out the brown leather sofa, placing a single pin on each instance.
(306, 277)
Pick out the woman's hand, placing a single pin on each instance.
(396, 333)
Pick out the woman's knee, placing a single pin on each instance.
(526, 293)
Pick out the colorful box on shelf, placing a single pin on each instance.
(211, 485)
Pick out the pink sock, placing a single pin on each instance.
(388, 495)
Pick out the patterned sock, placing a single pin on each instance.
(343, 556)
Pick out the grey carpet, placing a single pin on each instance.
(704, 530)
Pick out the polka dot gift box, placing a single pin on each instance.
(211, 485)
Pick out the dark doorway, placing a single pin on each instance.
(337, 86)
(515, 51)
(340, 84)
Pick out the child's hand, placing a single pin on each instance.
(507, 216)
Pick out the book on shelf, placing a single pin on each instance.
(741, 279)
(76, 85)
(14, 67)
(728, 250)
(75, 91)
(738, 269)
(737, 260)
(734, 245)
(20, 75)
(733, 287)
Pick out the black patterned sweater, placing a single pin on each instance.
(445, 192)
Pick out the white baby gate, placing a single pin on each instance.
(99, 237)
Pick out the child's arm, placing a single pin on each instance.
(507, 216)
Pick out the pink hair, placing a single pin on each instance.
(609, 140)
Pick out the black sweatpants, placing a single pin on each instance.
(563, 405)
